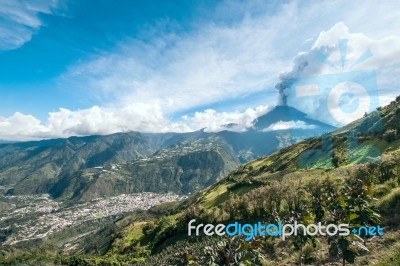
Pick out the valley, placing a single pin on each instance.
(31, 217)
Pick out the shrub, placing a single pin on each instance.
(309, 254)
(390, 135)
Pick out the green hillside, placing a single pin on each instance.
(35, 167)
(350, 176)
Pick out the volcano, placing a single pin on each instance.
(284, 117)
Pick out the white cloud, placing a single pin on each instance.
(135, 117)
(21, 127)
(285, 125)
(213, 121)
(95, 120)
(20, 19)
(197, 70)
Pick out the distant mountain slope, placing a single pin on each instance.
(184, 168)
(33, 167)
(50, 166)
(284, 113)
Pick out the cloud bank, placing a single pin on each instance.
(285, 125)
(99, 120)
(213, 121)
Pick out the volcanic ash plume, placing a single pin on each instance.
(304, 64)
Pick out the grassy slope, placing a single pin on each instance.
(306, 161)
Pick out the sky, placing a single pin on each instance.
(73, 68)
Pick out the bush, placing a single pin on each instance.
(382, 190)
(390, 135)
(148, 229)
(309, 254)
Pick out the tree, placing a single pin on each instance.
(335, 160)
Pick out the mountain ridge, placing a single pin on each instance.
(56, 166)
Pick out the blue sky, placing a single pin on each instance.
(98, 67)
(73, 31)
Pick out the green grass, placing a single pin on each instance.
(389, 206)
(130, 235)
(395, 145)
(390, 257)
(390, 201)
(361, 153)
(216, 195)
(165, 207)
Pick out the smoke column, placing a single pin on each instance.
(304, 64)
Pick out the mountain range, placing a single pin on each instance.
(97, 166)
